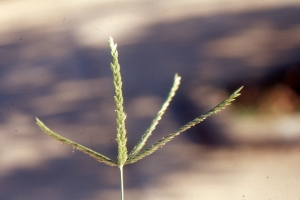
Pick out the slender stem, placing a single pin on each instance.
(122, 186)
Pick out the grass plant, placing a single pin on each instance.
(138, 152)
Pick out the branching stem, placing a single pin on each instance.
(138, 151)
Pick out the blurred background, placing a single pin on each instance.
(54, 64)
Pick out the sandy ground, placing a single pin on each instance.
(54, 64)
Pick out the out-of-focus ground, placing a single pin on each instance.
(54, 64)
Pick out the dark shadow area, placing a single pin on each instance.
(67, 85)
(68, 178)
(278, 92)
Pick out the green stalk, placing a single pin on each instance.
(122, 180)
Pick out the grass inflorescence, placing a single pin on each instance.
(138, 151)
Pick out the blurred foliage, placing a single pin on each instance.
(276, 94)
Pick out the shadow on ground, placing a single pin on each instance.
(67, 85)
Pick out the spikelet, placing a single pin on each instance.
(99, 157)
(121, 116)
(197, 120)
(155, 121)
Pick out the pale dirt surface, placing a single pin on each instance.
(54, 64)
